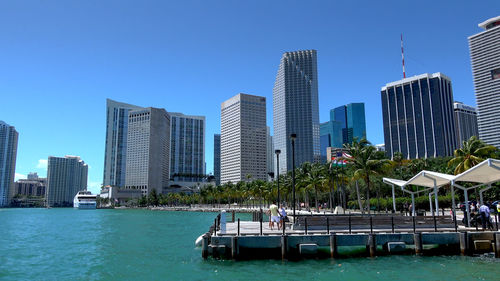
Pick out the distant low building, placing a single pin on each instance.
(30, 187)
(380, 147)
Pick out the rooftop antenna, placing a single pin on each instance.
(403, 56)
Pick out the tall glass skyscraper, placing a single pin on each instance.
(187, 148)
(217, 159)
(418, 116)
(346, 123)
(8, 153)
(295, 108)
(116, 142)
(485, 60)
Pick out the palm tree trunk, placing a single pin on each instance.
(359, 199)
(316, 197)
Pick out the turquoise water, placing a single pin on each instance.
(68, 244)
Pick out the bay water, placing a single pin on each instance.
(70, 244)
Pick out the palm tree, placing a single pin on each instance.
(365, 164)
(314, 180)
(473, 152)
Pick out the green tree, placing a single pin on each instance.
(473, 152)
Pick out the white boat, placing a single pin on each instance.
(85, 200)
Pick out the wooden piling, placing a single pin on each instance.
(372, 245)
(204, 246)
(464, 243)
(234, 247)
(417, 240)
(496, 241)
(283, 247)
(333, 245)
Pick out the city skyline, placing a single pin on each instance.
(58, 97)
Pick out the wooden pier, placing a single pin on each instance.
(311, 237)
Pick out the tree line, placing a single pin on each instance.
(357, 184)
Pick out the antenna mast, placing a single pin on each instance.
(403, 56)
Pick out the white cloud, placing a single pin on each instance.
(42, 164)
(19, 176)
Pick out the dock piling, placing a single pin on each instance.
(464, 243)
(392, 223)
(234, 247)
(333, 245)
(372, 245)
(238, 227)
(283, 247)
(305, 222)
(260, 220)
(327, 225)
(204, 246)
(435, 225)
(417, 240)
(496, 240)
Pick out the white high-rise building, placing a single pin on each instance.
(296, 109)
(243, 138)
(8, 153)
(148, 150)
(187, 147)
(485, 60)
(65, 177)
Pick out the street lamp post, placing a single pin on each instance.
(277, 151)
(292, 138)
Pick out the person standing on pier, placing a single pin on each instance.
(283, 217)
(484, 211)
(273, 209)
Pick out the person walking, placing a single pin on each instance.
(273, 209)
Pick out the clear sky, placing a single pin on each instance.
(60, 60)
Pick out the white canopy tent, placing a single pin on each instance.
(429, 179)
(484, 173)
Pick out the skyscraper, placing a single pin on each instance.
(418, 116)
(65, 177)
(116, 142)
(330, 136)
(485, 60)
(148, 150)
(243, 138)
(8, 154)
(346, 123)
(465, 122)
(295, 108)
(187, 147)
(217, 159)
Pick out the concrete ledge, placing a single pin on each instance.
(308, 249)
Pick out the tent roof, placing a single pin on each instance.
(394, 181)
(427, 178)
(485, 172)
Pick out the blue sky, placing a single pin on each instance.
(60, 60)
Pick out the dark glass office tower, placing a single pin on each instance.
(295, 108)
(418, 116)
(352, 119)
